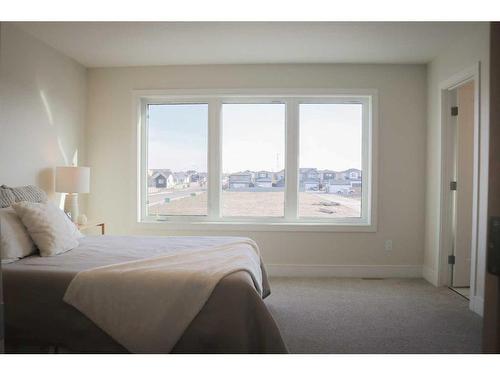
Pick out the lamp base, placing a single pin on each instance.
(71, 206)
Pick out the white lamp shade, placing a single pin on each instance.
(72, 179)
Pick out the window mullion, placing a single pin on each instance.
(367, 162)
(143, 182)
(292, 160)
(214, 159)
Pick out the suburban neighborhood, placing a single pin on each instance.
(323, 193)
(166, 179)
(311, 179)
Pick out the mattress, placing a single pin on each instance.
(235, 318)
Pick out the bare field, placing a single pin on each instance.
(270, 204)
(195, 206)
(238, 203)
(310, 205)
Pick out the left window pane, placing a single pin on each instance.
(177, 159)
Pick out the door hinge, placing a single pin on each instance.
(451, 259)
(454, 111)
(453, 185)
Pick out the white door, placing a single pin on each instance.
(464, 150)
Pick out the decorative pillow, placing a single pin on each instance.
(15, 242)
(7, 199)
(28, 193)
(48, 226)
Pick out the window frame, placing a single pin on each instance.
(144, 137)
(292, 100)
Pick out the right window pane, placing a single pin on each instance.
(330, 163)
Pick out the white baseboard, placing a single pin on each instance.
(477, 305)
(430, 275)
(357, 271)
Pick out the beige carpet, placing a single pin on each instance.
(326, 315)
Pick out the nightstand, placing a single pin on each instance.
(90, 225)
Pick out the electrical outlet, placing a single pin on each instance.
(388, 245)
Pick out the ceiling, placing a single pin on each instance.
(104, 44)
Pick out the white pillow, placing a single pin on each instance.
(15, 242)
(48, 226)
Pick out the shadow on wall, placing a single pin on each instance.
(46, 177)
(43, 97)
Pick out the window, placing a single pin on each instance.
(253, 148)
(330, 182)
(177, 159)
(279, 159)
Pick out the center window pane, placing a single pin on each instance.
(253, 157)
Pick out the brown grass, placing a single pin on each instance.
(270, 204)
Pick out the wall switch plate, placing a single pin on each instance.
(388, 245)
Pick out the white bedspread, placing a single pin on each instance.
(147, 304)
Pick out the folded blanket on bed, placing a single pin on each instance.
(146, 305)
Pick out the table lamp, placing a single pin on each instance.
(72, 180)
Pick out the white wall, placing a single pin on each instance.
(402, 145)
(464, 53)
(42, 110)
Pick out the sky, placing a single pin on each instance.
(330, 136)
(178, 137)
(253, 137)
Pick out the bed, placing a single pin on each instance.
(234, 319)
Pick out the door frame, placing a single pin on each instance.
(470, 74)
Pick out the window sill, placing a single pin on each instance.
(153, 225)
